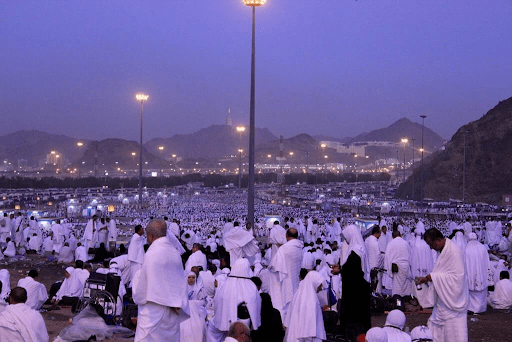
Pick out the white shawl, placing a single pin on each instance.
(450, 282)
(304, 319)
(72, 286)
(354, 243)
(477, 264)
(161, 280)
(238, 288)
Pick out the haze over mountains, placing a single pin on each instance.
(214, 142)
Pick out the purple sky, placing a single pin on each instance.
(328, 67)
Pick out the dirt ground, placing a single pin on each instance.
(492, 326)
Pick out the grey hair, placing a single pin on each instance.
(157, 228)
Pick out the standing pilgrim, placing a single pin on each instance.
(136, 251)
(355, 275)
(477, 264)
(448, 322)
(239, 243)
(159, 289)
(284, 271)
(396, 261)
(276, 238)
(91, 233)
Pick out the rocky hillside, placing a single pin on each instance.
(33, 146)
(488, 164)
(109, 154)
(403, 128)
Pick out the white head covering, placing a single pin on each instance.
(6, 285)
(354, 243)
(376, 335)
(395, 319)
(421, 334)
(472, 236)
(304, 319)
(238, 288)
(72, 286)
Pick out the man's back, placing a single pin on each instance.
(18, 322)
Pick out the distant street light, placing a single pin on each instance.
(141, 98)
(422, 150)
(79, 144)
(404, 141)
(250, 190)
(240, 130)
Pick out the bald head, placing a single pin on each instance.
(239, 332)
(155, 230)
(292, 233)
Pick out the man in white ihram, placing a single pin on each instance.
(448, 322)
(396, 261)
(159, 289)
(19, 322)
(136, 251)
(284, 271)
(239, 243)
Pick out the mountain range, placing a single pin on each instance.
(216, 142)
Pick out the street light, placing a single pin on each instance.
(240, 130)
(250, 190)
(404, 141)
(79, 144)
(141, 98)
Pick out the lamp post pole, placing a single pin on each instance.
(141, 98)
(422, 151)
(240, 130)
(79, 144)
(404, 141)
(412, 195)
(464, 171)
(250, 190)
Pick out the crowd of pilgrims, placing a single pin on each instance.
(295, 280)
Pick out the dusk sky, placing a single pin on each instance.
(331, 67)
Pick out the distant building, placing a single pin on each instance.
(506, 200)
(229, 120)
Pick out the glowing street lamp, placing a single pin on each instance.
(79, 144)
(141, 98)
(240, 130)
(404, 141)
(250, 190)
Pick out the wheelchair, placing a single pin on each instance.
(101, 292)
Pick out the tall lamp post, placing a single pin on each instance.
(141, 98)
(250, 190)
(413, 140)
(464, 171)
(240, 130)
(404, 141)
(422, 150)
(79, 144)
